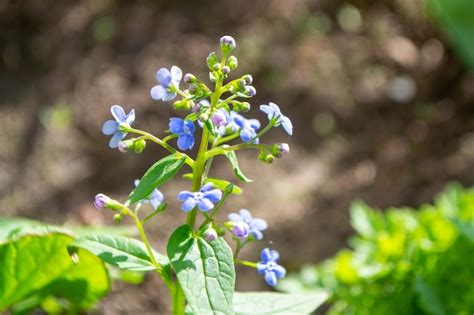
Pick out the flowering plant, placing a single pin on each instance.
(198, 269)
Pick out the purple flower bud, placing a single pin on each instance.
(225, 70)
(219, 118)
(210, 234)
(284, 148)
(196, 107)
(122, 147)
(248, 78)
(189, 78)
(228, 41)
(250, 91)
(241, 229)
(100, 201)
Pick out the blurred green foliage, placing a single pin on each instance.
(456, 19)
(402, 261)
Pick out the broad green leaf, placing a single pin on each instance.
(232, 157)
(218, 183)
(266, 303)
(365, 220)
(205, 271)
(428, 299)
(122, 252)
(158, 174)
(455, 20)
(37, 266)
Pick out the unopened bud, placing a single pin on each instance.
(212, 60)
(100, 201)
(248, 79)
(139, 145)
(189, 78)
(118, 217)
(266, 157)
(210, 234)
(227, 44)
(203, 117)
(182, 104)
(122, 147)
(232, 62)
(225, 70)
(280, 149)
(219, 118)
(240, 229)
(250, 91)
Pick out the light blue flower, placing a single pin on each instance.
(270, 268)
(168, 82)
(156, 198)
(112, 127)
(185, 130)
(255, 226)
(274, 113)
(248, 127)
(204, 199)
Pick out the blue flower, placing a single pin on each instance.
(156, 198)
(273, 113)
(185, 130)
(168, 82)
(255, 226)
(270, 268)
(248, 127)
(112, 127)
(204, 199)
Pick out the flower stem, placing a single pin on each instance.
(246, 263)
(179, 301)
(160, 142)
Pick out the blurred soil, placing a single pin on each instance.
(382, 108)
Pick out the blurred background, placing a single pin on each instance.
(380, 93)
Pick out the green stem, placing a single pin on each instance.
(141, 231)
(227, 139)
(221, 150)
(246, 263)
(160, 142)
(179, 301)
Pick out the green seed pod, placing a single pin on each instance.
(212, 60)
(183, 104)
(139, 146)
(232, 62)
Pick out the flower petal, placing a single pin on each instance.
(176, 125)
(190, 125)
(207, 187)
(182, 196)
(247, 134)
(270, 278)
(254, 123)
(169, 96)
(164, 77)
(118, 113)
(176, 74)
(110, 127)
(136, 182)
(287, 125)
(267, 110)
(234, 217)
(205, 204)
(189, 204)
(157, 92)
(266, 255)
(214, 195)
(256, 234)
(186, 142)
(259, 224)
(130, 118)
(261, 268)
(115, 140)
(280, 271)
(245, 215)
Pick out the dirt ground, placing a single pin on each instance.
(382, 108)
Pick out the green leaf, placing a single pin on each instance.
(158, 174)
(428, 299)
(122, 252)
(37, 266)
(235, 167)
(364, 220)
(218, 183)
(205, 271)
(260, 303)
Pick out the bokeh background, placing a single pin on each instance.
(380, 93)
